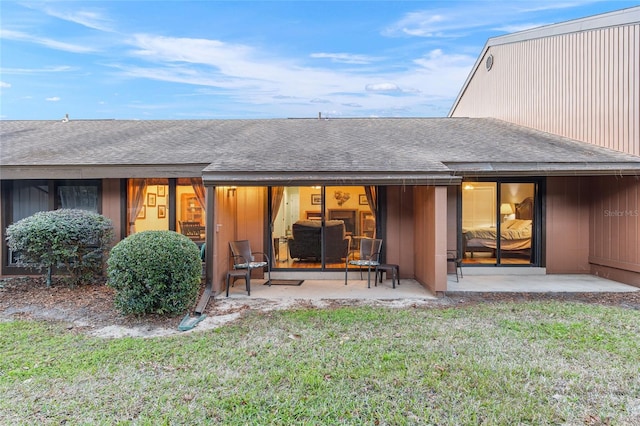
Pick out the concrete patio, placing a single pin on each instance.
(516, 281)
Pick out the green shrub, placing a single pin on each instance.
(71, 240)
(155, 272)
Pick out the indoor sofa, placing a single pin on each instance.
(306, 241)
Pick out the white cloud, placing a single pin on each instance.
(249, 75)
(88, 18)
(53, 99)
(345, 58)
(382, 87)
(520, 27)
(4, 85)
(47, 42)
(469, 16)
(27, 71)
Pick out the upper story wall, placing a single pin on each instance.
(583, 85)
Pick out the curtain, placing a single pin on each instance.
(200, 192)
(372, 199)
(136, 189)
(277, 194)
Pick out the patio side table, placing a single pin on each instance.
(395, 272)
(239, 273)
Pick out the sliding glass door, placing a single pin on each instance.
(314, 227)
(499, 222)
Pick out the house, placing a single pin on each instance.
(560, 203)
(581, 80)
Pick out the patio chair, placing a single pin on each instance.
(244, 259)
(369, 257)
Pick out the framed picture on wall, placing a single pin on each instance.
(316, 199)
(162, 212)
(151, 199)
(142, 213)
(362, 200)
(160, 190)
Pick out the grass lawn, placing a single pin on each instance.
(505, 363)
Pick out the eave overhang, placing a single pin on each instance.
(92, 171)
(545, 169)
(226, 178)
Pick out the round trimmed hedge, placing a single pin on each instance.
(155, 272)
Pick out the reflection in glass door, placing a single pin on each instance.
(492, 209)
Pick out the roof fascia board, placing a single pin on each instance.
(621, 17)
(545, 169)
(347, 179)
(101, 172)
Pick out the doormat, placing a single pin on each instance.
(285, 282)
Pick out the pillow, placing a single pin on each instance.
(507, 224)
(520, 224)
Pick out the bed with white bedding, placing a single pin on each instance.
(515, 234)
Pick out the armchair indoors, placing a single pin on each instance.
(244, 261)
(306, 241)
(369, 257)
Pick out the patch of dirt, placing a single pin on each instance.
(89, 308)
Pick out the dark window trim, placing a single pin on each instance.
(539, 242)
(53, 204)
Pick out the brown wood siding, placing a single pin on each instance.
(614, 247)
(399, 240)
(224, 231)
(567, 226)
(4, 225)
(430, 223)
(250, 220)
(112, 205)
(452, 223)
(585, 86)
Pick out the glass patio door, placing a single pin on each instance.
(313, 227)
(498, 226)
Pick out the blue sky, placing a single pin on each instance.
(242, 59)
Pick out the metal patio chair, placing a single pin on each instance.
(369, 257)
(244, 260)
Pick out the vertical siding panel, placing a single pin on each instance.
(624, 90)
(635, 90)
(613, 92)
(584, 86)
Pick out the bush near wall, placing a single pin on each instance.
(155, 272)
(69, 240)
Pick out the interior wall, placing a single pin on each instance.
(567, 226)
(614, 246)
(398, 246)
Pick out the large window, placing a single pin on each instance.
(498, 223)
(27, 197)
(315, 227)
(167, 204)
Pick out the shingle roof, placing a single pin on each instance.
(259, 150)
